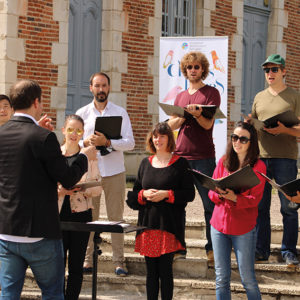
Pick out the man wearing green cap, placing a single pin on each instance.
(279, 150)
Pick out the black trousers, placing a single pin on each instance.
(160, 269)
(75, 244)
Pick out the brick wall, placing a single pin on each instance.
(225, 24)
(39, 31)
(291, 36)
(137, 82)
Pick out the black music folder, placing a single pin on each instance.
(212, 111)
(242, 179)
(110, 127)
(290, 188)
(287, 118)
(208, 111)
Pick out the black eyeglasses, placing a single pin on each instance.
(243, 139)
(273, 69)
(190, 67)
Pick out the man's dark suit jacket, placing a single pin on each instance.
(31, 164)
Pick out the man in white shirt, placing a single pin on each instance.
(111, 163)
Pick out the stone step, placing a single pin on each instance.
(195, 248)
(195, 268)
(196, 229)
(186, 268)
(111, 287)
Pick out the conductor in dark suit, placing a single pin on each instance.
(31, 164)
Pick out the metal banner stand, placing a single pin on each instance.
(97, 251)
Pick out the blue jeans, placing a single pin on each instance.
(244, 249)
(207, 167)
(46, 261)
(282, 170)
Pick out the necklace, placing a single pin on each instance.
(163, 162)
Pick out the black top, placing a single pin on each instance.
(66, 212)
(163, 215)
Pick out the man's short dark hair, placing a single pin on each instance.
(4, 97)
(23, 93)
(99, 74)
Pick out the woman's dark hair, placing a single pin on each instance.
(74, 117)
(231, 162)
(164, 129)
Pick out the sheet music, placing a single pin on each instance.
(105, 222)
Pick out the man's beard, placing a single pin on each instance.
(101, 100)
(194, 79)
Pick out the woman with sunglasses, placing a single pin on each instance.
(75, 206)
(234, 216)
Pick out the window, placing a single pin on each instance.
(178, 17)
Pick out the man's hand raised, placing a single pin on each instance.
(45, 122)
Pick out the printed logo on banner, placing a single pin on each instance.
(184, 46)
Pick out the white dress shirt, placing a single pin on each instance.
(112, 163)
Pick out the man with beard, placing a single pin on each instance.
(110, 163)
(195, 142)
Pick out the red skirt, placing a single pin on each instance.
(154, 243)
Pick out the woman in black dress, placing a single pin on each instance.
(75, 206)
(160, 194)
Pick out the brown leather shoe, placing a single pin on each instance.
(210, 256)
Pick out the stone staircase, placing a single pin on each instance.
(194, 276)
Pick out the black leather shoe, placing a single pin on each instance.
(87, 270)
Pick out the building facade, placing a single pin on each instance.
(60, 43)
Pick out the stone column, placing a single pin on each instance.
(208, 6)
(58, 98)
(12, 49)
(278, 20)
(113, 59)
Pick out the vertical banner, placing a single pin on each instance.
(172, 81)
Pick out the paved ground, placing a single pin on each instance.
(195, 209)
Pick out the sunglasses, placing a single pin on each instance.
(71, 130)
(273, 69)
(190, 67)
(243, 139)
